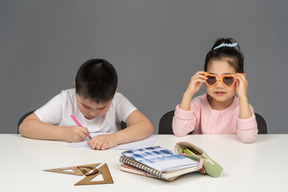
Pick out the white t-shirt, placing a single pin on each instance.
(59, 109)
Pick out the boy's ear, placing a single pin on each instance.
(116, 89)
(75, 86)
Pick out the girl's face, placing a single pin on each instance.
(221, 97)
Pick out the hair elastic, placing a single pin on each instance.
(226, 45)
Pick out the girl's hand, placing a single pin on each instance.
(102, 142)
(241, 90)
(196, 82)
(241, 85)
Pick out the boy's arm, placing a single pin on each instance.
(33, 128)
(139, 127)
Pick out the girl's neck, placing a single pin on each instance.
(219, 105)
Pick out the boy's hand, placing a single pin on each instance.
(102, 142)
(241, 85)
(76, 133)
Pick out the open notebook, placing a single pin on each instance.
(159, 162)
(148, 142)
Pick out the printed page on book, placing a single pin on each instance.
(147, 142)
(160, 159)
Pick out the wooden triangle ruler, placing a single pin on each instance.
(82, 169)
(104, 171)
(71, 170)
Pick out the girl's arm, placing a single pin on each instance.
(244, 109)
(195, 84)
(247, 128)
(241, 89)
(247, 125)
(184, 120)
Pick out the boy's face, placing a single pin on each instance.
(92, 109)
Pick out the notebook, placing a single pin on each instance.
(159, 162)
(134, 170)
(147, 142)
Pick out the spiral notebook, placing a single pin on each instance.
(159, 162)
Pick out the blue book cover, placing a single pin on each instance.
(160, 159)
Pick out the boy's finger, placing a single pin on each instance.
(104, 146)
(85, 131)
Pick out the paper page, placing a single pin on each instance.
(148, 142)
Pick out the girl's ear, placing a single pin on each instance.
(75, 86)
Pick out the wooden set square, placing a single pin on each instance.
(90, 171)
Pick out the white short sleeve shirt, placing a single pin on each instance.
(59, 109)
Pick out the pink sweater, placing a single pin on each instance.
(202, 119)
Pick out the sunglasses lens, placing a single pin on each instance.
(228, 80)
(211, 80)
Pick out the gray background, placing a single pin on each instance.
(155, 45)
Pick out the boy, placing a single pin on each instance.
(96, 105)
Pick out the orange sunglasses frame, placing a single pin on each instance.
(220, 79)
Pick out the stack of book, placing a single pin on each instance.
(157, 162)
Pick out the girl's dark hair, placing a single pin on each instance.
(96, 80)
(233, 54)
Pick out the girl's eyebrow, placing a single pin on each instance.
(222, 73)
(227, 73)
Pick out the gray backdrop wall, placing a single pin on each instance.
(156, 46)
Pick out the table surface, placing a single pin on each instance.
(260, 166)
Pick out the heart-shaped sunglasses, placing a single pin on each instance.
(226, 80)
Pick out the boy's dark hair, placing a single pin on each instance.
(233, 54)
(96, 80)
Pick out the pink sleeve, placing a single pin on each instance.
(247, 129)
(184, 121)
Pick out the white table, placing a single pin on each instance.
(261, 166)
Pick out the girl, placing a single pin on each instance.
(218, 111)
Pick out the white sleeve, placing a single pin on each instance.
(124, 107)
(51, 112)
